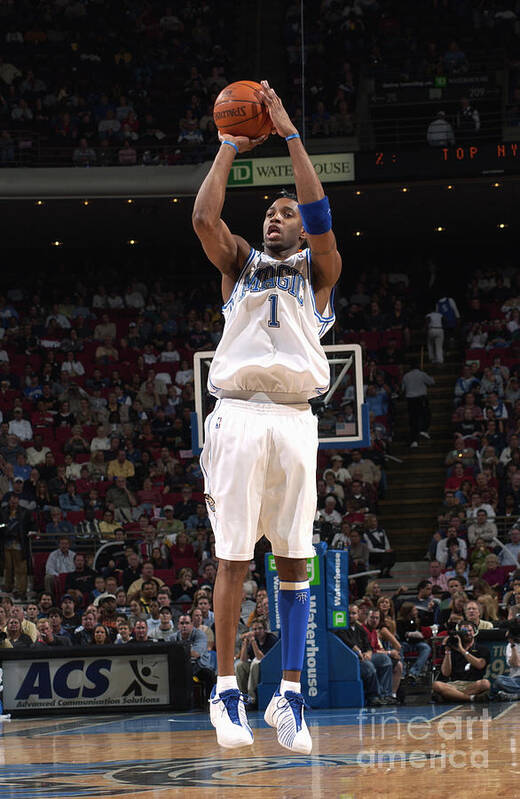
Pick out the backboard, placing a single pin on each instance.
(343, 421)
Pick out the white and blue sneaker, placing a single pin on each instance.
(285, 712)
(227, 712)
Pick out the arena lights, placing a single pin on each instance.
(358, 233)
(502, 226)
(440, 228)
(266, 196)
(175, 200)
(56, 243)
(404, 189)
(358, 193)
(450, 187)
(39, 202)
(132, 242)
(129, 202)
(85, 202)
(496, 185)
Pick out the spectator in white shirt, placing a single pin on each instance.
(60, 561)
(100, 440)
(440, 133)
(73, 367)
(329, 513)
(36, 454)
(510, 553)
(435, 337)
(170, 354)
(20, 427)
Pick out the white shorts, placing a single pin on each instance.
(259, 465)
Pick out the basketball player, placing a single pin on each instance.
(259, 456)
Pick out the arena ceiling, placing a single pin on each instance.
(471, 209)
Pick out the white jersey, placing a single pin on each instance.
(271, 339)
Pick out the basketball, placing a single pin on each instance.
(239, 110)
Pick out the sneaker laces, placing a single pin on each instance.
(231, 698)
(297, 703)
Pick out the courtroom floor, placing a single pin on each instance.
(402, 753)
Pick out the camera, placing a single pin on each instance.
(452, 641)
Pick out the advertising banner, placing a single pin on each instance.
(330, 168)
(101, 681)
(336, 564)
(315, 683)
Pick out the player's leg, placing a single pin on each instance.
(288, 516)
(233, 463)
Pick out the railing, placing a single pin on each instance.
(504, 525)
(406, 132)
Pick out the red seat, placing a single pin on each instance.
(39, 559)
(75, 516)
(166, 575)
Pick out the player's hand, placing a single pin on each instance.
(281, 120)
(242, 142)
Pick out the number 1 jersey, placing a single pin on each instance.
(271, 339)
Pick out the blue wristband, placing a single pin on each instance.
(316, 216)
(292, 136)
(231, 144)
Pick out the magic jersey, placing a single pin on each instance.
(271, 339)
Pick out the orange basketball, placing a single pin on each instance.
(239, 110)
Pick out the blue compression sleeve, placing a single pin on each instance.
(293, 605)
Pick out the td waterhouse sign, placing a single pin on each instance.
(330, 168)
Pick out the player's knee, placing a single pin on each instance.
(232, 568)
(484, 685)
(438, 686)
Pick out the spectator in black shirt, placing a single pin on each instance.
(463, 668)
(255, 644)
(356, 638)
(85, 635)
(46, 637)
(70, 617)
(132, 571)
(186, 507)
(80, 581)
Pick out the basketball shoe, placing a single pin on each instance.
(285, 712)
(227, 712)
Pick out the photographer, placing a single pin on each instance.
(463, 668)
(507, 688)
(255, 644)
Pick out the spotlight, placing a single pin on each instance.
(496, 185)
(358, 233)
(56, 243)
(132, 241)
(450, 187)
(440, 228)
(502, 225)
(85, 202)
(358, 193)
(266, 196)
(129, 202)
(404, 189)
(175, 199)
(39, 202)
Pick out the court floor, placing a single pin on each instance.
(420, 751)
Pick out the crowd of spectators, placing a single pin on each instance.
(71, 89)
(99, 481)
(479, 520)
(93, 97)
